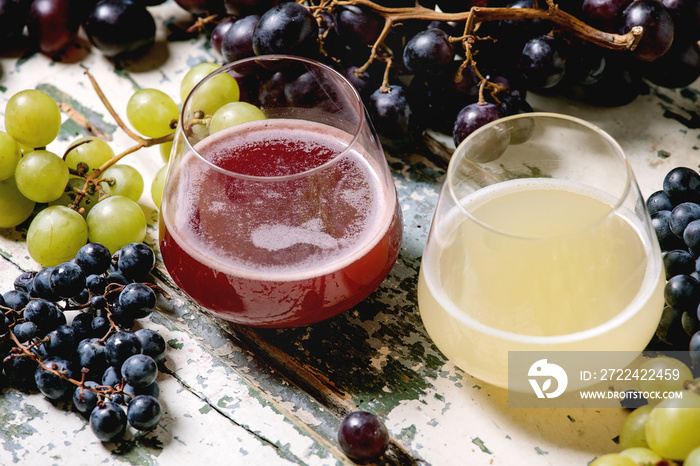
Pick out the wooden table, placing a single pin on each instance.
(275, 397)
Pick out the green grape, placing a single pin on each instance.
(665, 374)
(115, 222)
(234, 113)
(165, 149)
(633, 433)
(128, 182)
(158, 184)
(613, 459)
(69, 195)
(41, 176)
(10, 154)
(217, 91)
(193, 76)
(673, 427)
(90, 150)
(641, 455)
(151, 112)
(32, 118)
(693, 458)
(14, 207)
(55, 235)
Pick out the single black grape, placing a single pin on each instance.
(120, 28)
(67, 280)
(24, 282)
(682, 292)
(15, 299)
(91, 356)
(393, 117)
(682, 215)
(429, 52)
(119, 346)
(100, 326)
(667, 239)
(219, 30)
(542, 62)
(657, 201)
(357, 26)
(108, 421)
(25, 331)
(53, 385)
(137, 299)
(288, 28)
(658, 28)
(20, 370)
(136, 260)
(682, 184)
(93, 258)
(237, 41)
(42, 287)
(44, 314)
(678, 262)
(694, 347)
(139, 370)
(144, 412)
(691, 236)
(60, 342)
(85, 398)
(152, 343)
(473, 117)
(52, 25)
(363, 436)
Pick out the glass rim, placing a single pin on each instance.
(617, 150)
(270, 58)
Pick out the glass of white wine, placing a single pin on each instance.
(540, 241)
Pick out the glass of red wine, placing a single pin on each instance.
(279, 209)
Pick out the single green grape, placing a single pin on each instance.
(234, 113)
(127, 182)
(667, 374)
(90, 150)
(69, 195)
(115, 222)
(165, 149)
(613, 459)
(693, 458)
(158, 184)
(55, 235)
(633, 433)
(32, 118)
(215, 92)
(14, 207)
(151, 112)
(641, 455)
(42, 176)
(10, 153)
(193, 76)
(673, 427)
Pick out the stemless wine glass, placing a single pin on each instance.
(279, 208)
(540, 241)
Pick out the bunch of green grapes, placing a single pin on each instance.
(68, 208)
(665, 431)
(87, 194)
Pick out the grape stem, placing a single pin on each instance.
(476, 15)
(94, 178)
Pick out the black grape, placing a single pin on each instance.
(219, 30)
(658, 28)
(358, 26)
(473, 117)
(119, 28)
(237, 42)
(392, 117)
(542, 62)
(287, 28)
(679, 67)
(362, 436)
(429, 51)
(53, 25)
(603, 14)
